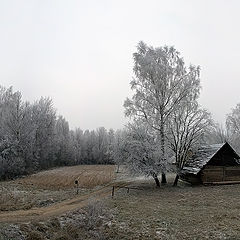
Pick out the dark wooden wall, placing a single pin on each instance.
(220, 173)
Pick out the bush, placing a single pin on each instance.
(95, 213)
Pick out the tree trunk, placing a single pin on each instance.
(155, 177)
(164, 180)
(162, 135)
(157, 182)
(176, 180)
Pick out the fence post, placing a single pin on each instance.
(76, 183)
(112, 191)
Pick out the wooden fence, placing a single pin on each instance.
(114, 188)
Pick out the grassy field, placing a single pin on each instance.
(88, 176)
(183, 212)
(52, 186)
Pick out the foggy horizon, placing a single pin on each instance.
(80, 53)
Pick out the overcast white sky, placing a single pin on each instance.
(80, 52)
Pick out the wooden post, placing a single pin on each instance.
(112, 191)
(76, 183)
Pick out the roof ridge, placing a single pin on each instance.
(203, 155)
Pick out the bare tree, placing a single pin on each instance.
(160, 85)
(187, 127)
(218, 134)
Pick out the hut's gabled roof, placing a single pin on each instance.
(203, 155)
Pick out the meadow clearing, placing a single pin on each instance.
(145, 212)
(52, 186)
(183, 212)
(88, 176)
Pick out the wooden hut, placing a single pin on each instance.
(217, 163)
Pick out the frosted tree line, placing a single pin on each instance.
(166, 124)
(34, 137)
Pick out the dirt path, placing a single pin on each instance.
(43, 213)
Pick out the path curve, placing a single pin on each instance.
(57, 209)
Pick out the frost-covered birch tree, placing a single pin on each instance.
(161, 83)
(137, 149)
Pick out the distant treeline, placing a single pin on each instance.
(33, 137)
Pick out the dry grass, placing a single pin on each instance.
(10, 198)
(88, 176)
(15, 196)
(88, 223)
(52, 186)
(182, 212)
(169, 213)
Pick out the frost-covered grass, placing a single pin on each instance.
(11, 198)
(168, 213)
(90, 222)
(15, 196)
(182, 212)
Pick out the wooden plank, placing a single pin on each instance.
(213, 174)
(233, 167)
(232, 172)
(222, 183)
(232, 178)
(221, 174)
(224, 173)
